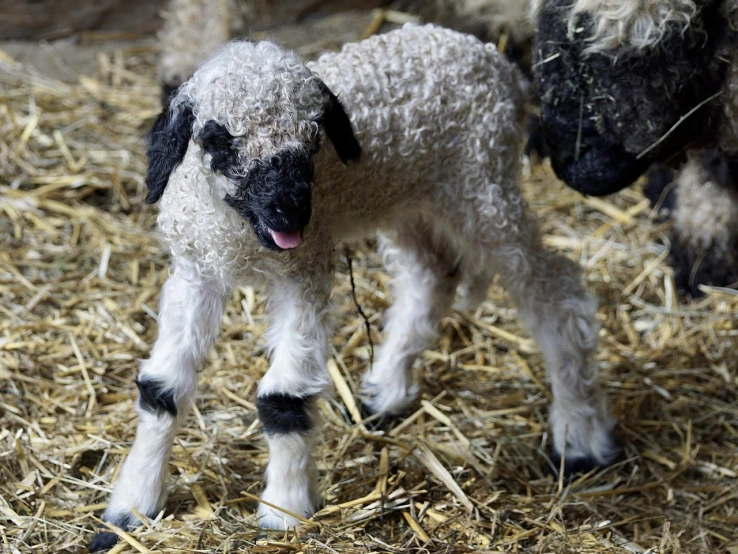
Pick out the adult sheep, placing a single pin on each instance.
(629, 83)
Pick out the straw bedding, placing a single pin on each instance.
(79, 278)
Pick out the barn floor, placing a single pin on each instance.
(80, 273)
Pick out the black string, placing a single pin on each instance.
(368, 325)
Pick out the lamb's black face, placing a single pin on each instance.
(273, 194)
(274, 197)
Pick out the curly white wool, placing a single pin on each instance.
(706, 214)
(636, 24)
(239, 87)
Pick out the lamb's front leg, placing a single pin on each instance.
(189, 319)
(287, 395)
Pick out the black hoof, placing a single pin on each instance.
(572, 467)
(382, 422)
(103, 541)
(581, 464)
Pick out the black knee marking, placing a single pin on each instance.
(281, 414)
(155, 398)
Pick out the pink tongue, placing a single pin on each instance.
(286, 240)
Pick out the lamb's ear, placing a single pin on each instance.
(338, 127)
(168, 142)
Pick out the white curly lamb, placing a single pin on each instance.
(250, 193)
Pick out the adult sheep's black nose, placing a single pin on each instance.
(600, 170)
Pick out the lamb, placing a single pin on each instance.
(426, 144)
(631, 83)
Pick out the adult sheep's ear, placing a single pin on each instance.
(338, 127)
(168, 142)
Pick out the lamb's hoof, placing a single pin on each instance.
(269, 518)
(103, 541)
(578, 465)
(381, 422)
(572, 467)
(272, 519)
(300, 499)
(392, 403)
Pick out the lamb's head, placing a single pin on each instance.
(617, 80)
(257, 113)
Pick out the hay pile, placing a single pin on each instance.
(79, 280)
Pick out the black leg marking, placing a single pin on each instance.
(154, 398)
(281, 414)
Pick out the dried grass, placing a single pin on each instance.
(79, 281)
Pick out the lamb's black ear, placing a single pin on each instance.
(168, 142)
(338, 127)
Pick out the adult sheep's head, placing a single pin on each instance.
(257, 112)
(624, 84)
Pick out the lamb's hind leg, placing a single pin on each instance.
(558, 312)
(189, 320)
(426, 276)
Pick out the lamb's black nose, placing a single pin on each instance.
(292, 211)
